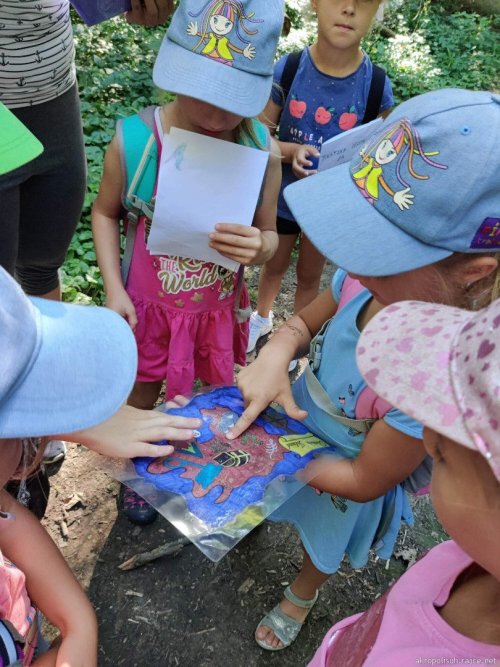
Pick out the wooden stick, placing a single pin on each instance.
(167, 549)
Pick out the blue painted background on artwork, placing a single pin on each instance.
(215, 515)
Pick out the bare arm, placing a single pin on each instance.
(266, 379)
(131, 432)
(105, 218)
(271, 117)
(387, 457)
(291, 153)
(50, 584)
(106, 230)
(265, 215)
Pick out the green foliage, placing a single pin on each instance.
(80, 276)
(114, 62)
(435, 49)
(432, 49)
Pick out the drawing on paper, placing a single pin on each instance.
(219, 478)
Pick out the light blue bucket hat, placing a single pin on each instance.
(425, 186)
(62, 367)
(222, 52)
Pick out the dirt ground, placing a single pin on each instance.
(187, 610)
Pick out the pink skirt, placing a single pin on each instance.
(181, 346)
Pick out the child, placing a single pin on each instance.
(56, 354)
(49, 358)
(217, 56)
(335, 88)
(46, 580)
(446, 607)
(429, 233)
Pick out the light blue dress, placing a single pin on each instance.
(330, 526)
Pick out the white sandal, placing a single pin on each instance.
(284, 627)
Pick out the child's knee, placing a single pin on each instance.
(144, 395)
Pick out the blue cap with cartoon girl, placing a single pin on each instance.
(222, 52)
(424, 187)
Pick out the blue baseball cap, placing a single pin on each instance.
(222, 52)
(425, 186)
(62, 367)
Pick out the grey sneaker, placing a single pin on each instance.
(259, 326)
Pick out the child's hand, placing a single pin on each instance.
(149, 12)
(121, 303)
(301, 164)
(241, 243)
(131, 432)
(264, 381)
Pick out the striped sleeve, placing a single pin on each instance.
(36, 51)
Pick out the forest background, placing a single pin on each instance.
(422, 44)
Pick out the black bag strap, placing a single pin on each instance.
(374, 95)
(289, 72)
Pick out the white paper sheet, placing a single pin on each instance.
(344, 146)
(203, 181)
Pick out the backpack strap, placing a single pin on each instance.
(350, 289)
(374, 95)
(323, 401)
(137, 145)
(262, 135)
(289, 72)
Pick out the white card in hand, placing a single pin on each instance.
(203, 181)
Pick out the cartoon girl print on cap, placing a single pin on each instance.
(219, 18)
(401, 142)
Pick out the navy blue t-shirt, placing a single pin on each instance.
(320, 106)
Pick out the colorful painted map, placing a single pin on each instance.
(220, 478)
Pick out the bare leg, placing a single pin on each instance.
(309, 269)
(53, 295)
(308, 581)
(144, 395)
(272, 274)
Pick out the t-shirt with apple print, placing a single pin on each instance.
(320, 106)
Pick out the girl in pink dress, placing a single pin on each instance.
(184, 312)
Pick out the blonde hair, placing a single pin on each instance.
(245, 132)
(475, 295)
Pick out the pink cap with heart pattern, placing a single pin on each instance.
(441, 366)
